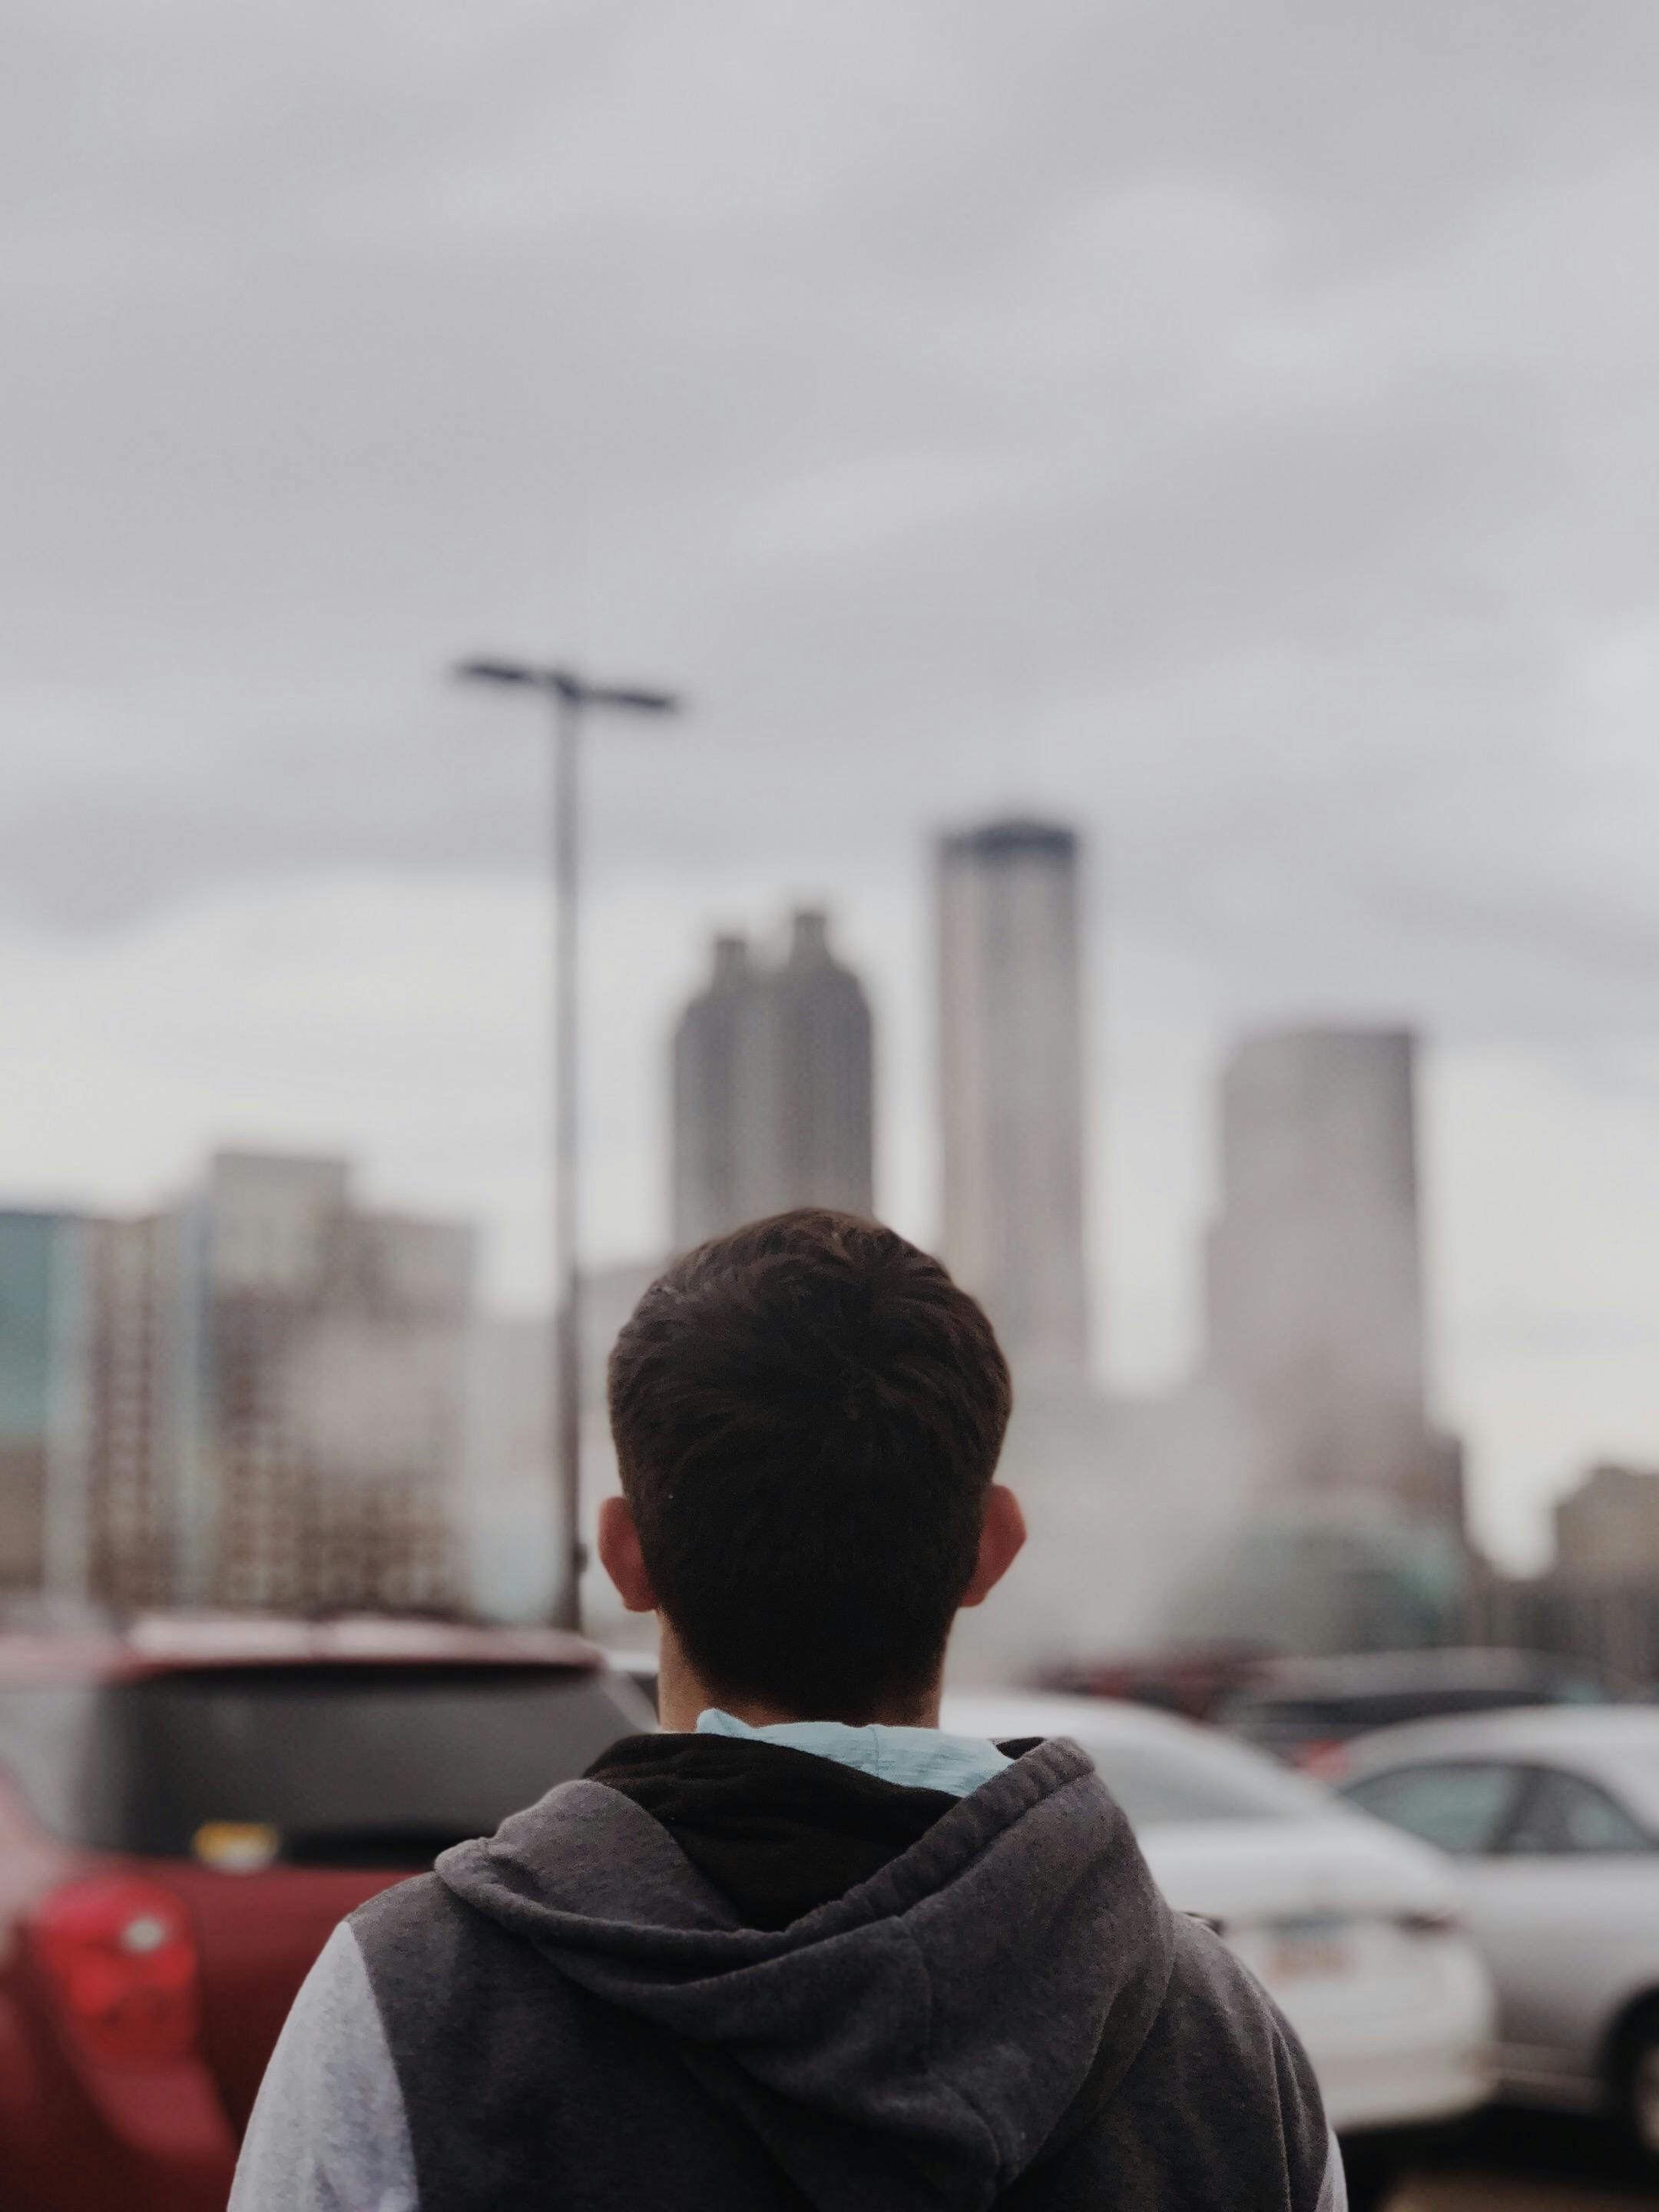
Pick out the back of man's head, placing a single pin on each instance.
(808, 1414)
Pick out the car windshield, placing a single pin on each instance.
(1169, 1785)
(322, 1766)
(1461, 1805)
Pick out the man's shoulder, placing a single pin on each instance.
(420, 1931)
(436, 1963)
(1209, 1974)
(422, 1901)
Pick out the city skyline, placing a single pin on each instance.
(1283, 1074)
(363, 1430)
(910, 1179)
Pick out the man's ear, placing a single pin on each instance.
(623, 1559)
(1000, 1543)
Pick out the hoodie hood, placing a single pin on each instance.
(919, 2041)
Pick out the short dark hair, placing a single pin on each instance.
(808, 1414)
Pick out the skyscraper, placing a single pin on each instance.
(822, 1051)
(1010, 1086)
(1314, 1278)
(706, 1093)
(773, 1088)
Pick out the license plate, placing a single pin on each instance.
(1300, 1950)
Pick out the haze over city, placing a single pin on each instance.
(1216, 428)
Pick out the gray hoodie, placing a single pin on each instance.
(571, 2014)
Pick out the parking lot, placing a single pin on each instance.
(1523, 2162)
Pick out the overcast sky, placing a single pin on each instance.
(1231, 426)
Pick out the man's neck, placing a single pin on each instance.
(681, 1694)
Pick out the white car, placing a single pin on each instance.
(1554, 1816)
(1352, 1929)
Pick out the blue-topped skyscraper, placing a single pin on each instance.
(42, 1389)
(1010, 1087)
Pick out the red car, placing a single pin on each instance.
(185, 1814)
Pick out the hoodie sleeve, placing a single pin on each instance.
(1333, 2192)
(329, 2132)
(1317, 2180)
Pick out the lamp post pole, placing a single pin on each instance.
(569, 696)
(567, 1154)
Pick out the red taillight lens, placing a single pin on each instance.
(119, 1953)
(1327, 1762)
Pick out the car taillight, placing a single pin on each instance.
(1327, 1760)
(119, 1953)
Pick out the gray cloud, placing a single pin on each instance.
(895, 378)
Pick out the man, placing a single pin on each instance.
(801, 1949)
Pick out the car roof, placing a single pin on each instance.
(1359, 1675)
(173, 1643)
(1592, 1736)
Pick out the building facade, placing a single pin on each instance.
(1315, 1306)
(255, 1397)
(773, 1101)
(142, 1426)
(1012, 1086)
(1607, 1529)
(331, 1424)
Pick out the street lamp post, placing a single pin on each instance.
(569, 697)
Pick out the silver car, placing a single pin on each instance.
(1552, 1814)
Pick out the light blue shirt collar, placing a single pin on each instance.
(916, 1757)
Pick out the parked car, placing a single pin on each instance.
(1554, 1819)
(1303, 1710)
(1196, 1682)
(185, 1814)
(1353, 1930)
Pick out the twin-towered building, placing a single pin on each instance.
(773, 1099)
